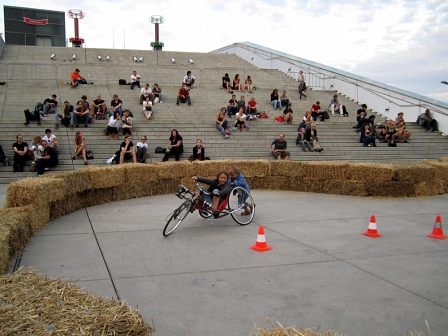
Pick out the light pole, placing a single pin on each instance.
(157, 19)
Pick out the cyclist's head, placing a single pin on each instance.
(223, 177)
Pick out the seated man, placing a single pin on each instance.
(362, 112)
(75, 77)
(425, 120)
(335, 106)
(317, 111)
(242, 104)
(81, 112)
(116, 105)
(226, 83)
(48, 159)
(157, 93)
(364, 121)
(50, 138)
(31, 116)
(278, 148)
(145, 92)
(232, 107)
(65, 116)
(99, 106)
(127, 151)
(189, 80)
(183, 95)
(49, 105)
(135, 80)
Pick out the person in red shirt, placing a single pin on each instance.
(252, 108)
(183, 95)
(317, 111)
(75, 77)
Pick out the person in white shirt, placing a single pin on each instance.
(240, 119)
(51, 139)
(113, 125)
(189, 80)
(147, 108)
(142, 149)
(135, 80)
(145, 92)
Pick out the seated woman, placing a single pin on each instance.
(240, 119)
(147, 108)
(399, 118)
(142, 149)
(306, 121)
(226, 83)
(198, 152)
(175, 146)
(157, 93)
(113, 125)
(252, 108)
(126, 123)
(80, 145)
(237, 83)
(287, 114)
(36, 147)
(275, 100)
(218, 188)
(403, 133)
(368, 136)
(284, 98)
(221, 122)
(248, 84)
(311, 136)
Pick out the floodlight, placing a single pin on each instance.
(53, 56)
(99, 57)
(107, 58)
(173, 60)
(444, 82)
(141, 59)
(135, 59)
(74, 56)
(191, 61)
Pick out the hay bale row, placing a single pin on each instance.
(4, 250)
(16, 222)
(67, 309)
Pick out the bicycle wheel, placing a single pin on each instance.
(176, 218)
(239, 201)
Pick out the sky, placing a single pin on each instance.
(400, 43)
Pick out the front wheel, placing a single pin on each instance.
(241, 206)
(176, 218)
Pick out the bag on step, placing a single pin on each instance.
(122, 82)
(89, 155)
(160, 150)
(33, 167)
(393, 143)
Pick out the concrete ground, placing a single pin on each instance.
(205, 280)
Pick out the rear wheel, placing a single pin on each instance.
(176, 218)
(241, 205)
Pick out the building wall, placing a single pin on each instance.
(17, 31)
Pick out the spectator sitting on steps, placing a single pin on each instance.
(275, 100)
(20, 154)
(368, 135)
(157, 93)
(116, 105)
(189, 80)
(403, 134)
(175, 146)
(75, 77)
(287, 114)
(317, 111)
(31, 116)
(145, 92)
(113, 125)
(221, 122)
(301, 140)
(237, 83)
(49, 159)
(183, 95)
(81, 112)
(311, 136)
(252, 108)
(126, 123)
(198, 152)
(80, 143)
(127, 150)
(50, 105)
(147, 108)
(135, 80)
(36, 147)
(226, 83)
(50, 138)
(278, 148)
(284, 98)
(248, 84)
(142, 149)
(428, 122)
(232, 106)
(240, 120)
(335, 106)
(99, 106)
(65, 116)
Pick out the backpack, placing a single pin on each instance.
(279, 119)
(122, 82)
(263, 115)
(418, 119)
(160, 150)
(393, 143)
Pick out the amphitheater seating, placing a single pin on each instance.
(32, 76)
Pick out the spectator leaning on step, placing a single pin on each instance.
(157, 93)
(183, 95)
(116, 105)
(189, 80)
(99, 105)
(81, 112)
(335, 106)
(221, 122)
(278, 148)
(145, 92)
(67, 111)
(135, 80)
(428, 122)
(50, 105)
(50, 138)
(75, 77)
(49, 159)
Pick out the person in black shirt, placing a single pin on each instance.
(50, 105)
(127, 151)
(99, 105)
(226, 83)
(279, 149)
(20, 154)
(232, 107)
(175, 146)
(49, 159)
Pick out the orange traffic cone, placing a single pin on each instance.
(437, 231)
(372, 231)
(260, 244)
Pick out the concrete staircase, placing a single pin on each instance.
(32, 76)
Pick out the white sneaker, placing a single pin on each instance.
(333, 114)
(160, 101)
(226, 136)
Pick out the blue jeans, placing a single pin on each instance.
(277, 104)
(231, 111)
(303, 144)
(75, 119)
(117, 110)
(369, 139)
(222, 128)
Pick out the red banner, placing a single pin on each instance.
(35, 22)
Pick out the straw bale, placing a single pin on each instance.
(16, 220)
(188, 182)
(97, 196)
(36, 305)
(435, 187)
(209, 167)
(251, 168)
(75, 181)
(173, 169)
(37, 191)
(413, 172)
(4, 250)
(441, 168)
(269, 183)
(135, 173)
(68, 205)
(390, 189)
(106, 177)
(287, 168)
(127, 191)
(325, 170)
(444, 159)
(371, 172)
